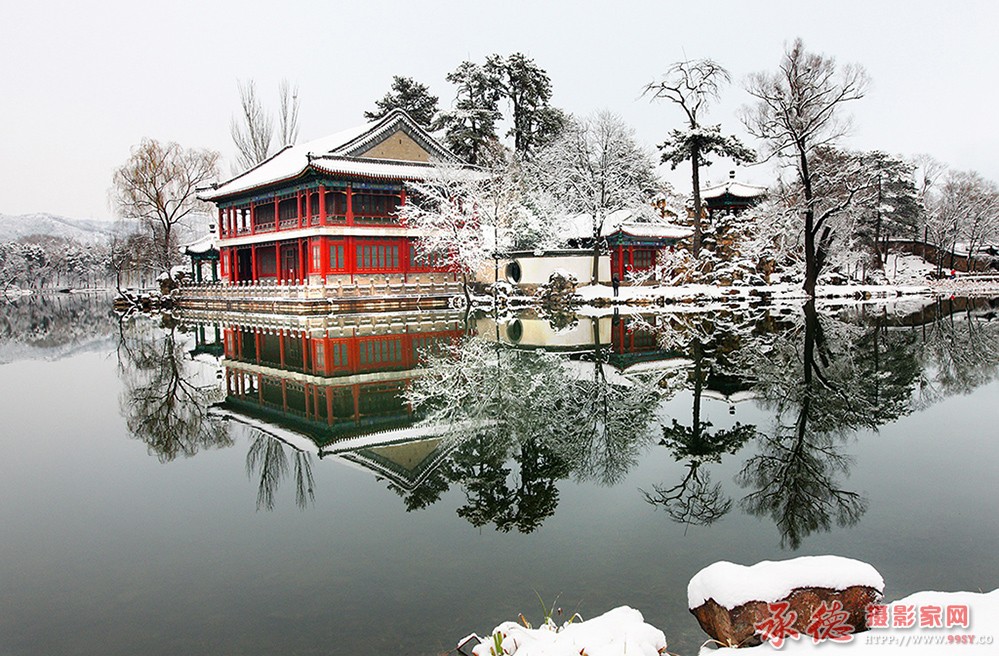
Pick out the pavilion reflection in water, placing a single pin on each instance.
(335, 386)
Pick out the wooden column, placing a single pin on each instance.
(303, 259)
(324, 256)
(253, 263)
(277, 213)
(281, 336)
(350, 204)
(322, 204)
(253, 222)
(277, 262)
(308, 207)
(298, 206)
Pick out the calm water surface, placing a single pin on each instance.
(389, 484)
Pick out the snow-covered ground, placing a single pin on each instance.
(623, 632)
(980, 637)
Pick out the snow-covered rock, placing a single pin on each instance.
(618, 632)
(732, 602)
(981, 636)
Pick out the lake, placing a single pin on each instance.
(390, 483)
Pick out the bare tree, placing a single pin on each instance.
(596, 167)
(798, 110)
(158, 186)
(288, 112)
(253, 131)
(693, 85)
(964, 211)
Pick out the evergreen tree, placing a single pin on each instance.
(693, 85)
(409, 95)
(470, 128)
(535, 123)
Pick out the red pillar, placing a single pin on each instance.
(350, 205)
(298, 206)
(253, 263)
(277, 213)
(324, 257)
(252, 221)
(277, 262)
(322, 204)
(308, 206)
(280, 337)
(303, 258)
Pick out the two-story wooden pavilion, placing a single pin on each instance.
(325, 210)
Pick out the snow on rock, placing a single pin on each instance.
(981, 636)
(732, 585)
(618, 632)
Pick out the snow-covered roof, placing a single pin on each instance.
(203, 245)
(339, 153)
(733, 187)
(581, 227)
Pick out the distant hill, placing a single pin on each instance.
(82, 230)
(85, 230)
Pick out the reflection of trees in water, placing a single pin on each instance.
(56, 321)
(695, 499)
(522, 420)
(822, 379)
(268, 459)
(163, 402)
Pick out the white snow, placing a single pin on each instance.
(906, 269)
(732, 585)
(739, 189)
(580, 226)
(983, 614)
(618, 632)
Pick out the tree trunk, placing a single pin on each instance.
(695, 178)
(811, 263)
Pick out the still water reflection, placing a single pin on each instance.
(394, 460)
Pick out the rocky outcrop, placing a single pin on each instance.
(813, 596)
(737, 627)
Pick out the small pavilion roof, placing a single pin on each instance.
(340, 153)
(627, 222)
(734, 188)
(204, 245)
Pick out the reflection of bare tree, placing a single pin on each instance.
(795, 473)
(162, 401)
(268, 459)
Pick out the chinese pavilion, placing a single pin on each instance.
(325, 211)
(731, 196)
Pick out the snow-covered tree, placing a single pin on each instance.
(409, 95)
(963, 210)
(798, 110)
(528, 89)
(470, 126)
(693, 85)
(596, 167)
(158, 187)
(444, 210)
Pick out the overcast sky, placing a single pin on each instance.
(81, 82)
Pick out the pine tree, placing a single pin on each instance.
(535, 123)
(409, 95)
(470, 128)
